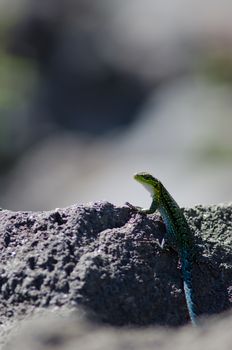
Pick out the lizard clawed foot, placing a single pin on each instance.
(162, 245)
(134, 208)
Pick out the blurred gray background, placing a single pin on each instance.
(93, 91)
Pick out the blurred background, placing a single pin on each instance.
(93, 91)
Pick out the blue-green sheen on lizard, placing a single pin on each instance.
(179, 235)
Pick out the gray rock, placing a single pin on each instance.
(107, 260)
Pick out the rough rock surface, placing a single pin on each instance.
(107, 259)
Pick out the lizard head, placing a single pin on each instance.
(152, 184)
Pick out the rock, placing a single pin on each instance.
(106, 259)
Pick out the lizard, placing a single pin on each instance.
(178, 233)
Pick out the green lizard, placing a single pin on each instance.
(178, 233)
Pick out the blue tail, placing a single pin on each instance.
(186, 262)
